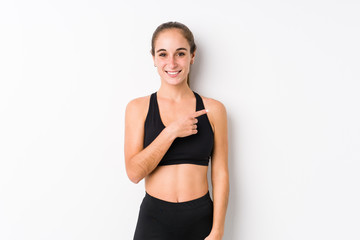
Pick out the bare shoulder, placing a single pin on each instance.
(138, 106)
(217, 113)
(214, 106)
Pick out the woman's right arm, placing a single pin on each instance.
(141, 161)
(138, 161)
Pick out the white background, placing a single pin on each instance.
(287, 72)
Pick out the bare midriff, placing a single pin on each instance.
(177, 183)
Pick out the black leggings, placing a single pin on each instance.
(162, 220)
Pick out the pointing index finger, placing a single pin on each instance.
(201, 112)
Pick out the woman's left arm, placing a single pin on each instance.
(219, 168)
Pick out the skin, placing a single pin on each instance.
(182, 182)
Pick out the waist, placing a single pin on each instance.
(179, 205)
(176, 183)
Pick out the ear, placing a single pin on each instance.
(193, 57)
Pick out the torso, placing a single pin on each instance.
(181, 182)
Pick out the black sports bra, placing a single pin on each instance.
(193, 149)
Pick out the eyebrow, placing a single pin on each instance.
(179, 49)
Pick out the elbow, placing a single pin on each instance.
(134, 179)
(134, 171)
(134, 176)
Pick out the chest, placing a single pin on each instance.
(171, 111)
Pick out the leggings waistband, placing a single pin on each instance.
(179, 205)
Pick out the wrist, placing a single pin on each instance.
(169, 133)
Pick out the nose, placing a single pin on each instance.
(172, 62)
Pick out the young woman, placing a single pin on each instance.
(170, 136)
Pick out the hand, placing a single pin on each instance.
(186, 126)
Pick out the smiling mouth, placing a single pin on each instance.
(172, 73)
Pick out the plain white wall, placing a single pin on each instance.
(287, 71)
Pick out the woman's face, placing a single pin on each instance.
(172, 56)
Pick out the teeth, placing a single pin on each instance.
(173, 73)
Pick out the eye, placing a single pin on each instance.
(162, 54)
(181, 54)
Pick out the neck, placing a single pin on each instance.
(175, 92)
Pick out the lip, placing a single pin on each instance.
(173, 73)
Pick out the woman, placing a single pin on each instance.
(169, 138)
